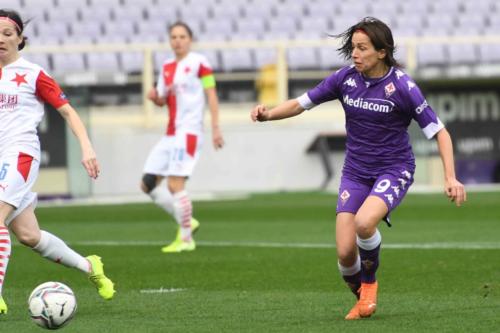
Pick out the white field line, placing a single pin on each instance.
(419, 246)
(161, 290)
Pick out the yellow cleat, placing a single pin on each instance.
(195, 225)
(3, 306)
(104, 286)
(179, 246)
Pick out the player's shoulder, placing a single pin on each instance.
(402, 80)
(342, 74)
(198, 57)
(346, 71)
(28, 66)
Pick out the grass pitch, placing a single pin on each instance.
(267, 264)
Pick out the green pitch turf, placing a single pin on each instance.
(267, 264)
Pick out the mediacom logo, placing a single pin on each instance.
(371, 104)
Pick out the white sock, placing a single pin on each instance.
(163, 198)
(348, 271)
(5, 250)
(370, 243)
(53, 248)
(183, 211)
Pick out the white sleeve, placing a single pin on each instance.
(305, 102)
(432, 128)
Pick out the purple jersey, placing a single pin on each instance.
(378, 113)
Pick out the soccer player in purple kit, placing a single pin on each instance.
(379, 102)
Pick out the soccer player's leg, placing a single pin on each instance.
(183, 216)
(347, 252)
(155, 170)
(369, 240)
(180, 168)
(351, 196)
(25, 227)
(5, 250)
(17, 175)
(387, 193)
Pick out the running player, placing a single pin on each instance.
(379, 102)
(184, 80)
(24, 88)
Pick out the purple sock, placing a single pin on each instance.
(369, 250)
(353, 282)
(369, 264)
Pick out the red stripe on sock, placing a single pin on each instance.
(5, 241)
(2, 273)
(3, 249)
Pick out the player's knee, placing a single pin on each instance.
(28, 238)
(365, 227)
(148, 183)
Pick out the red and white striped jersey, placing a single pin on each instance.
(182, 84)
(24, 88)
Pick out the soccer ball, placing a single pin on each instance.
(52, 305)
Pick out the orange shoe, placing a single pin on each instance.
(368, 301)
(354, 313)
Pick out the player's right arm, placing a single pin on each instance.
(288, 109)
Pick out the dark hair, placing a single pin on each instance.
(181, 24)
(380, 35)
(14, 16)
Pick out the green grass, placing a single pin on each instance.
(262, 288)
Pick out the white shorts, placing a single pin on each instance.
(18, 173)
(174, 155)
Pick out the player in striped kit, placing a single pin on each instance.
(24, 88)
(184, 80)
(379, 102)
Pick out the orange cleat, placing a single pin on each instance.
(368, 300)
(354, 313)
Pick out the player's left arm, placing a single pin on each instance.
(213, 105)
(453, 188)
(49, 92)
(432, 127)
(89, 158)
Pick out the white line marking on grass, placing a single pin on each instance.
(418, 246)
(161, 290)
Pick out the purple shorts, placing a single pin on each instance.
(390, 187)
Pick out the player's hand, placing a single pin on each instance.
(259, 113)
(217, 138)
(89, 162)
(455, 191)
(153, 94)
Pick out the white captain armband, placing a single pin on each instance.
(432, 129)
(305, 102)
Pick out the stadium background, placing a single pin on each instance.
(264, 262)
(105, 53)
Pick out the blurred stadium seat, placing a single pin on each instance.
(143, 21)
